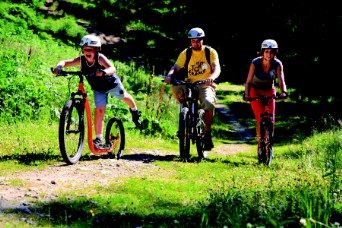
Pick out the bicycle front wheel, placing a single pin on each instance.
(115, 135)
(266, 144)
(269, 143)
(183, 135)
(200, 128)
(71, 131)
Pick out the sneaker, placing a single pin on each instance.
(98, 142)
(136, 117)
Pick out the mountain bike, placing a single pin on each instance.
(191, 126)
(72, 131)
(266, 130)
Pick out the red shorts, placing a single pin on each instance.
(257, 105)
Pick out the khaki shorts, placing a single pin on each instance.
(207, 95)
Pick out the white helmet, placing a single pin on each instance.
(196, 33)
(91, 41)
(269, 44)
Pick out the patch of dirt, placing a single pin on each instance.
(49, 183)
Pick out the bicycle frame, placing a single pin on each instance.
(191, 124)
(266, 130)
(192, 104)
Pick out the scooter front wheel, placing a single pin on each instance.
(71, 131)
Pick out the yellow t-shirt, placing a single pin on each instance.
(198, 68)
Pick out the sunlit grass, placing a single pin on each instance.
(227, 189)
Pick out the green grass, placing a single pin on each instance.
(302, 183)
(301, 188)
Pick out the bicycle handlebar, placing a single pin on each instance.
(78, 73)
(182, 82)
(266, 98)
(176, 82)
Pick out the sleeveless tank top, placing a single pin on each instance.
(98, 83)
(262, 80)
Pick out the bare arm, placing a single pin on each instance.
(249, 80)
(67, 63)
(216, 67)
(109, 67)
(173, 70)
(281, 80)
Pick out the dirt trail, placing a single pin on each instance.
(50, 183)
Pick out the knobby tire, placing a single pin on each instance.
(200, 133)
(71, 131)
(269, 149)
(266, 130)
(184, 139)
(115, 134)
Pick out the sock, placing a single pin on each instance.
(134, 108)
(99, 136)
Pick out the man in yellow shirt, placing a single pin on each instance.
(199, 69)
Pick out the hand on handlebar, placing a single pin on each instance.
(283, 96)
(167, 80)
(246, 97)
(208, 81)
(101, 73)
(57, 70)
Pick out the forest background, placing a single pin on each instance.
(153, 33)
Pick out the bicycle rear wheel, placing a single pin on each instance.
(115, 135)
(71, 131)
(200, 128)
(184, 139)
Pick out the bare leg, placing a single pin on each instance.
(99, 123)
(128, 99)
(178, 97)
(208, 119)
